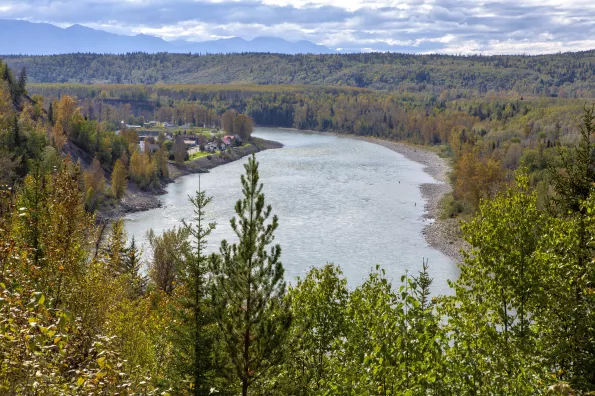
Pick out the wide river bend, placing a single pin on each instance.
(339, 200)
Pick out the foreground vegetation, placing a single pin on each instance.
(79, 316)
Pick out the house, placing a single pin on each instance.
(210, 147)
(234, 140)
(123, 125)
(150, 124)
(190, 142)
(201, 140)
(227, 140)
(168, 125)
(149, 147)
(153, 136)
(218, 143)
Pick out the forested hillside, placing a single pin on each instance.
(487, 137)
(564, 75)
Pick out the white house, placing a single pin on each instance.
(128, 126)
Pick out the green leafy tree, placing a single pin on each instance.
(179, 148)
(318, 305)
(119, 183)
(499, 294)
(504, 236)
(249, 290)
(392, 342)
(170, 251)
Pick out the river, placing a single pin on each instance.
(339, 200)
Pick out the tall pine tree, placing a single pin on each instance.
(22, 83)
(194, 335)
(249, 287)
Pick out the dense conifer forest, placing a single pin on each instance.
(567, 74)
(80, 315)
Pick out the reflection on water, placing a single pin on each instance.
(339, 200)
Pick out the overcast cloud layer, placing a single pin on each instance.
(419, 26)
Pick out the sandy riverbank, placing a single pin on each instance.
(442, 234)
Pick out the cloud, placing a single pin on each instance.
(416, 26)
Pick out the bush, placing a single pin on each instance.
(449, 207)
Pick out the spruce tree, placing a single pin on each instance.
(132, 266)
(573, 180)
(16, 134)
(194, 335)
(116, 248)
(51, 113)
(248, 290)
(22, 80)
(573, 185)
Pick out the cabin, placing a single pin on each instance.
(234, 140)
(210, 147)
(152, 134)
(123, 125)
(219, 144)
(148, 147)
(201, 140)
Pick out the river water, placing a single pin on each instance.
(339, 200)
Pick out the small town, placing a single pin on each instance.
(196, 141)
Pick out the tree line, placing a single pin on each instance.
(568, 74)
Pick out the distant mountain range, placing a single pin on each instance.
(22, 37)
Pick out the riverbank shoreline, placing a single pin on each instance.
(442, 234)
(136, 200)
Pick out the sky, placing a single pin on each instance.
(418, 26)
